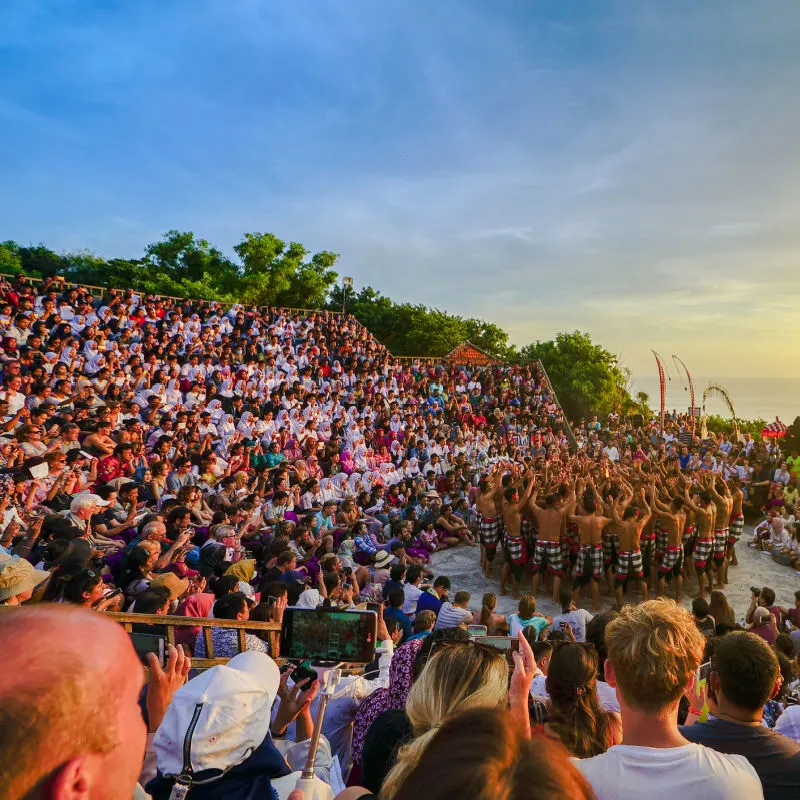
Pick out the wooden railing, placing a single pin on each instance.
(168, 624)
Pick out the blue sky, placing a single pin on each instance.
(627, 168)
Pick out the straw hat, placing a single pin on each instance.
(17, 576)
(169, 580)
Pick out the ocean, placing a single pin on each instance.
(752, 398)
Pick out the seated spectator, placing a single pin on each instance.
(654, 650)
(576, 718)
(576, 618)
(482, 755)
(73, 724)
(526, 616)
(457, 678)
(87, 589)
(394, 610)
(542, 654)
(721, 610)
(226, 640)
(422, 625)
(496, 624)
(764, 625)
(433, 597)
(701, 611)
(233, 752)
(596, 636)
(18, 579)
(744, 675)
(411, 589)
(455, 614)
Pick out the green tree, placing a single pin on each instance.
(276, 273)
(181, 257)
(586, 377)
(10, 260)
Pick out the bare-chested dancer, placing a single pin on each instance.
(704, 510)
(549, 550)
(487, 502)
(629, 558)
(590, 524)
(723, 502)
(736, 525)
(673, 520)
(514, 501)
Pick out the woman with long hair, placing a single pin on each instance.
(496, 624)
(576, 718)
(459, 677)
(481, 754)
(720, 609)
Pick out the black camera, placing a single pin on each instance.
(756, 591)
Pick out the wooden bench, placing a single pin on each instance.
(168, 624)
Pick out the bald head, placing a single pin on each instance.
(68, 705)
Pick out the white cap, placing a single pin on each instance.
(234, 700)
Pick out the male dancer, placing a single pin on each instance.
(589, 524)
(736, 525)
(629, 558)
(549, 551)
(673, 520)
(724, 506)
(487, 501)
(704, 511)
(515, 551)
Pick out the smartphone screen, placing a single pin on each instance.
(324, 635)
(145, 643)
(505, 644)
(703, 671)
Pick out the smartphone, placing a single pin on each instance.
(326, 635)
(111, 593)
(505, 644)
(145, 643)
(374, 607)
(703, 671)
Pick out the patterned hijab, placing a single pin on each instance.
(401, 675)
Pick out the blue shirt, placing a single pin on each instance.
(400, 617)
(429, 601)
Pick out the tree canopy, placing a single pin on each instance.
(268, 271)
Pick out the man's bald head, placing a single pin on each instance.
(68, 704)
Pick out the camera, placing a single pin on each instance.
(756, 592)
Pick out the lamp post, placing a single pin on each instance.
(346, 284)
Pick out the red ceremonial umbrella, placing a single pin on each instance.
(775, 430)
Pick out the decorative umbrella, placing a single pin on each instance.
(775, 430)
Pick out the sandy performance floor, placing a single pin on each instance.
(462, 566)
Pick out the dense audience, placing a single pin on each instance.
(174, 457)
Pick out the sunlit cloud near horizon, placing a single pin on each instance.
(629, 169)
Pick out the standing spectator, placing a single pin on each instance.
(654, 650)
(744, 675)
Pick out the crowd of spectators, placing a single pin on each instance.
(164, 456)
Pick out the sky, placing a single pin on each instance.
(630, 169)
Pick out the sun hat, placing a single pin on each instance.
(170, 581)
(383, 559)
(18, 575)
(218, 719)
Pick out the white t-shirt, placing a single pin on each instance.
(607, 695)
(578, 619)
(626, 772)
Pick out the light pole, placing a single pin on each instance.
(346, 284)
